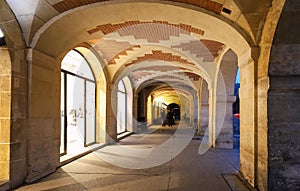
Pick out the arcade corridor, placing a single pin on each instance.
(78, 76)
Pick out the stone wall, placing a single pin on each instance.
(284, 102)
(247, 120)
(43, 115)
(13, 99)
(5, 113)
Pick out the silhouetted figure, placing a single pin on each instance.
(170, 117)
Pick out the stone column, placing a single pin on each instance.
(224, 138)
(204, 107)
(101, 105)
(199, 95)
(43, 115)
(150, 110)
(212, 118)
(195, 118)
(283, 128)
(111, 112)
(5, 113)
(18, 155)
(248, 118)
(283, 102)
(13, 113)
(192, 109)
(134, 111)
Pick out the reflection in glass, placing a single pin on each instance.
(78, 128)
(90, 113)
(121, 115)
(75, 110)
(62, 115)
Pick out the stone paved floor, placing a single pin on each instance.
(186, 172)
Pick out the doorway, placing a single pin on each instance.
(78, 105)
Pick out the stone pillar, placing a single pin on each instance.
(134, 112)
(101, 105)
(43, 115)
(284, 102)
(225, 134)
(262, 136)
(13, 101)
(111, 112)
(247, 119)
(204, 107)
(195, 113)
(18, 148)
(199, 95)
(150, 110)
(284, 125)
(212, 118)
(192, 109)
(5, 113)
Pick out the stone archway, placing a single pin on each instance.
(175, 108)
(248, 64)
(225, 98)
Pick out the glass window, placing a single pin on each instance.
(90, 113)
(75, 63)
(62, 115)
(78, 105)
(121, 115)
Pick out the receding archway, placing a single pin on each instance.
(175, 109)
(42, 45)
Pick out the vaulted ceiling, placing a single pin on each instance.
(148, 50)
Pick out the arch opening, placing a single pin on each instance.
(78, 105)
(175, 109)
(122, 108)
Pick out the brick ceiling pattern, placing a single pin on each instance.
(205, 49)
(152, 32)
(162, 68)
(138, 75)
(213, 46)
(162, 73)
(129, 34)
(159, 55)
(109, 28)
(111, 49)
(66, 5)
(192, 76)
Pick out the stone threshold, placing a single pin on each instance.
(4, 185)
